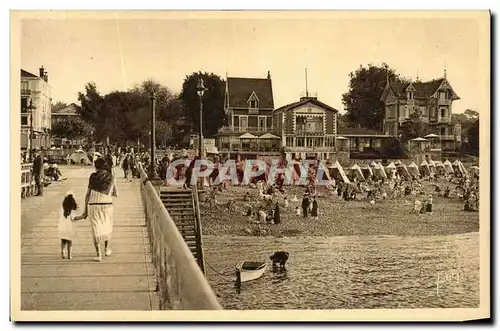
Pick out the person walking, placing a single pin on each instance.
(38, 172)
(99, 206)
(305, 205)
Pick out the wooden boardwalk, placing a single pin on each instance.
(123, 281)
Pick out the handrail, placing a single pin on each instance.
(198, 232)
(181, 283)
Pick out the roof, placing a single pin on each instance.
(423, 90)
(25, 73)
(304, 101)
(240, 90)
(71, 109)
(343, 131)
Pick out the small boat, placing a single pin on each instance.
(249, 270)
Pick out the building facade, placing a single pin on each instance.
(70, 112)
(36, 104)
(433, 99)
(248, 105)
(307, 129)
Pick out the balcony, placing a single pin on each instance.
(309, 133)
(309, 149)
(249, 129)
(444, 102)
(253, 111)
(447, 137)
(445, 120)
(25, 92)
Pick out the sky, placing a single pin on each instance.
(118, 53)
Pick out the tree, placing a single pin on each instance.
(471, 114)
(213, 102)
(473, 138)
(70, 129)
(414, 127)
(90, 101)
(362, 101)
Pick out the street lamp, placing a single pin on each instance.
(200, 88)
(152, 171)
(31, 108)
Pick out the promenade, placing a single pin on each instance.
(123, 281)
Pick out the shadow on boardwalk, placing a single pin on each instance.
(123, 281)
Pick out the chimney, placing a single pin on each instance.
(42, 72)
(268, 74)
(46, 77)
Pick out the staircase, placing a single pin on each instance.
(182, 205)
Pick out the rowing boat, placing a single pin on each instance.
(249, 270)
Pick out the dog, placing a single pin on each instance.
(279, 258)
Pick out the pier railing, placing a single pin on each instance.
(181, 284)
(27, 181)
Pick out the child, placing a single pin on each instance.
(286, 202)
(314, 209)
(297, 211)
(67, 229)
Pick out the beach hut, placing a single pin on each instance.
(390, 169)
(357, 173)
(474, 170)
(412, 169)
(337, 172)
(379, 172)
(448, 167)
(402, 170)
(367, 171)
(323, 174)
(424, 168)
(459, 167)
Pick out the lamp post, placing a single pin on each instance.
(30, 108)
(152, 168)
(200, 89)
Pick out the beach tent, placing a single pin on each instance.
(424, 168)
(458, 166)
(323, 171)
(448, 167)
(403, 171)
(357, 173)
(412, 169)
(391, 169)
(373, 164)
(474, 170)
(379, 172)
(367, 171)
(338, 173)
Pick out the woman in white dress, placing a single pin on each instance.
(99, 206)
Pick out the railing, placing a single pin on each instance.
(309, 133)
(27, 182)
(310, 149)
(249, 129)
(181, 283)
(444, 120)
(198, 229)
(25, 92)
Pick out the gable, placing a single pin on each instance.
(445, 85)
(307, 106)
(253, 96)
(239, 91)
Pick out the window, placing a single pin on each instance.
(442, 95)
(289, 141)
(24, 120)
(24, 105)
(253, 103)
(443, 112)
(262, 122)
(443, 131)
(243, 121)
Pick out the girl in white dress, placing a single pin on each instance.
(67, 229)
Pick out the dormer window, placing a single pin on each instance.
(409, 95)
(253, 101)
(253, 104)
(443, 95)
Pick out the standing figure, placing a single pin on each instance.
(37, 172)
(305, 205)
(314, 211)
